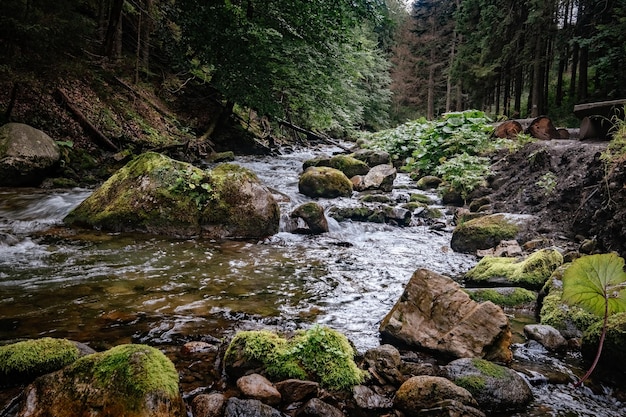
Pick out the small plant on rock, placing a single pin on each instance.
(596, 283)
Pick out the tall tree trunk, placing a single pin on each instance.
(559, 81)
(109, 47)
(572, 81)
(146, 33)
(538, 75)
(583, 67)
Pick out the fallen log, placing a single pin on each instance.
(313, 135)
(509, 129)
(93, 131)
(542, 128)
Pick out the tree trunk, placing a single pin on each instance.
(12, 99)
(572, 81)
(146, 34)
(115, 19)
(582, 78)
(538, 75)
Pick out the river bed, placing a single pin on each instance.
(105, 289)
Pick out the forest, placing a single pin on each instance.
(332, 66)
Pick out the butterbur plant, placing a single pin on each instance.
(596, 283)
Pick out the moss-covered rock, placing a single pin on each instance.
(484, 232)
(347, 164)
(495, 387)
(324, 182)
(319, 354)
(127, 380)
(428, 182)
(372, 157)
(156, 194)
(313, 215)
(531, 273)
(427, 392)
(511, 297)
(23, 361)
(614, 343)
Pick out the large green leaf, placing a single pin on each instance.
(593, 280)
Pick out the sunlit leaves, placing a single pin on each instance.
(596, 282)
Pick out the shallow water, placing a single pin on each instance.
(105, 289)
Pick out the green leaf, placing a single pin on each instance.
(594, 280)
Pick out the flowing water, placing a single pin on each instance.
(105, 289)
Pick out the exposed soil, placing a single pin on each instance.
(564, 184)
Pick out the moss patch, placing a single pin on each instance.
(472, 383)
(132, 371)
(614, 343)
(36, 357)
(514, 298)
(483, 233)
(489, 368)
(319, 354)
(532, 272)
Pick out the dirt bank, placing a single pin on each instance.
(565, 185)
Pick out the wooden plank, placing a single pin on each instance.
(600, 108)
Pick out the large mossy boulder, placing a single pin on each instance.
(26, 155)
(485, 232)
(530, 273)
(156, 194)
(496, 388)
(436, 315)
(127, 380)
(319, 354)
(324, 182)
(347, 164)
(24, 361)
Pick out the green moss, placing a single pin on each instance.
(375, 198)
(516, 297)
(133, 371)
(556, 313)
(489, 368)
(320, 353)
(614, 343)
(533, 272)
(37, 357)
(420, 198)
(496, 226)
(472, 383)
(413, 206)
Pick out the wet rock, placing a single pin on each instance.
(477, 203)
(250, 408)
(372, 157)
(383, 364)
(127, 380)
(530, 273)
(297, 390)
(369, 400)
(257, 387)
(324, 182)
(347, 164)
(24, 361)
(195, 347)
(208, 405)
(318, 408)
(398, 215)
(548, 336)
(216, 157)
(427, 392)
(452, 197)
(26, 155)
(381, 177)
(8, 239)
(156, 194)
(495, 388)
(486, 232)
(434, 313)
(428, 182)
(507, 297)
(313, 215)
(506, 248)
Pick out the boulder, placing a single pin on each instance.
(313, 215)
(531, 273)
(24, 361)
(547, 336)
(257, 387)
(381, 177)
(420, 393)
(208, 405)
(435, 314)
(250, 408)
(324, 182)
(347, 164)
(318, 408)
(156, 194)
(26, 155)
(486, 232)
(127, 380)
(367, 399)
(428, 182)
(372, 157)
(495, 388)
(297, 390)
(383, 363)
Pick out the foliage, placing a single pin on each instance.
(597, 283)
(615, 152)
(319, 353)
(547, 182)
(36, 357)
(464, 173)
(425, 145)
